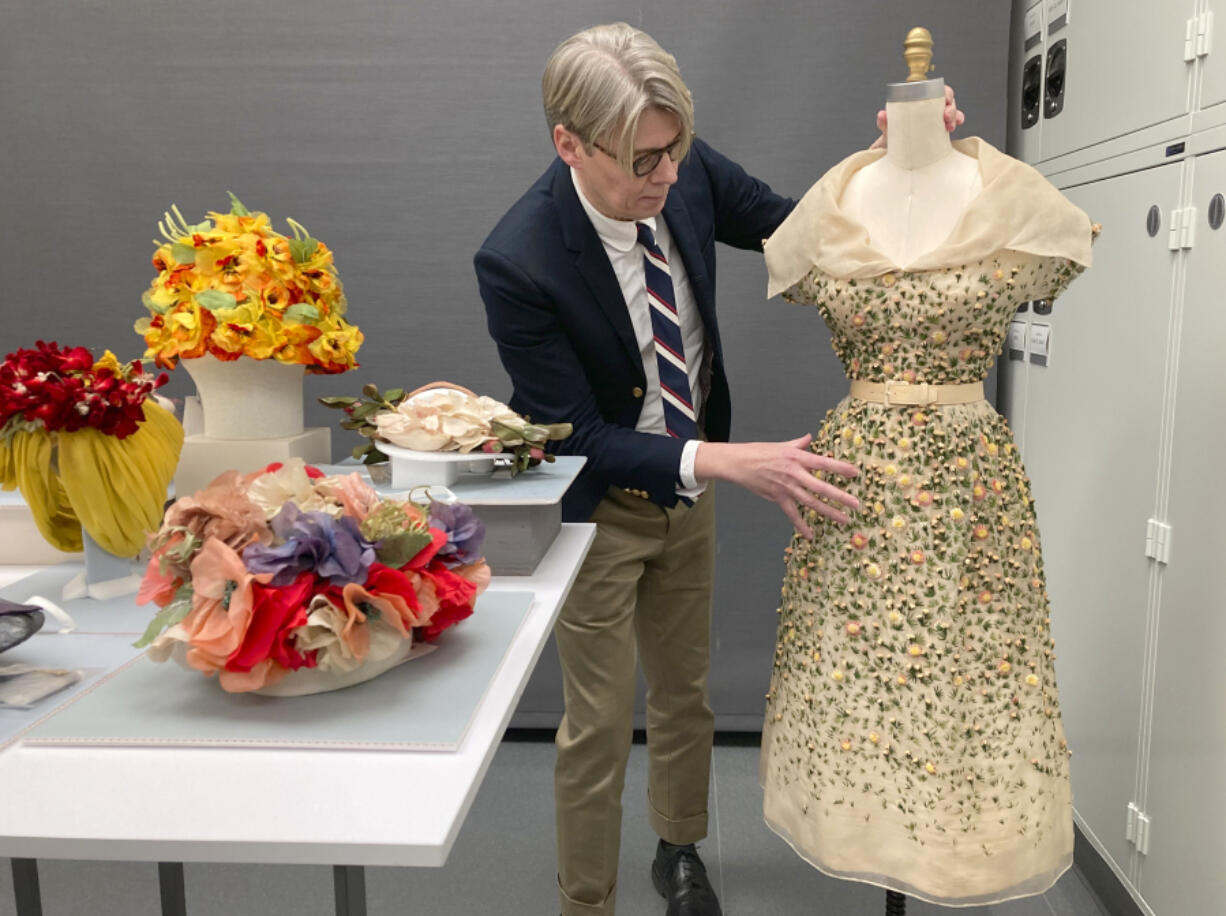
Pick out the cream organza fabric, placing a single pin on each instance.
(1017, 209)
(913, 736)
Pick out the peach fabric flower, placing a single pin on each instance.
(476, 573)
(213, 630)
(356, 497)
(263, 674)
(158, 586)
(222, 511)
(393, 609)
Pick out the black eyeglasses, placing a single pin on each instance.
(643, 165)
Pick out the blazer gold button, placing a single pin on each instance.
(637, 392)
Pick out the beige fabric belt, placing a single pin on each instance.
(916, 395)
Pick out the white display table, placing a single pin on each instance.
(322, 807)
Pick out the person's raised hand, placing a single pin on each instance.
(953, 119)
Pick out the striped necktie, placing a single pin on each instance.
(670, 350)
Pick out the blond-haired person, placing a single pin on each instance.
(613, 329)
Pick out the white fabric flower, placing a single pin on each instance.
(273, 490)
(323, 632)
(442, 420)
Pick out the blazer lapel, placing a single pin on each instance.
(686, 239)
(592, 262)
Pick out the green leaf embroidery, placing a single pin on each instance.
(178, 608)
(214, 299)
(302, 249)
(236, 206)
(147, 300)
(303, 313)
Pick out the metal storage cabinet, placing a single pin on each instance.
(1183, 793)
(1124, 68)
(1093, 420)
(1027, 51)
(1211, 48)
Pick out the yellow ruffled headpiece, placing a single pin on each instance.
(113, 488)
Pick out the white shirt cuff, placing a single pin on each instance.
(685, 473)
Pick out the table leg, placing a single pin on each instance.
(170, 884)
(350, 883)
(25, 887)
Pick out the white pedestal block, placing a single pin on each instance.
(203, 458)
(21, 544)
(248, 398)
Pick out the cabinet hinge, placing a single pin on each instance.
(1182, 233)
(1137, 829)
(1198, 36)
(1158, 541)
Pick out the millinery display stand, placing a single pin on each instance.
(92, 798)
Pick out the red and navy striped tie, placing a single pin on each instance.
(670, 350)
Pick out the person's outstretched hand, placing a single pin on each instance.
(783, 473)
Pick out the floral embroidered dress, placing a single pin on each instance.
(913, 735)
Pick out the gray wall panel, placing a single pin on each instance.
(398, 133)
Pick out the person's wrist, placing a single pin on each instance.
(707, 461)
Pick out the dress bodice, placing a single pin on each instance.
(940, 326)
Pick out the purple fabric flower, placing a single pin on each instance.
(465, 533)
(333, 549)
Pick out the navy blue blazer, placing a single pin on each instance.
(556, 312)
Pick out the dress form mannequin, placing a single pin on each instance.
(911, 199)
(869, 771)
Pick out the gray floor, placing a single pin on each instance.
(503, 864)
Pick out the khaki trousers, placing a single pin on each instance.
(644, 592)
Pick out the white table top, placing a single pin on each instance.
(274, 806)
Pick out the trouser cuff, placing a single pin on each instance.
(678, 832)
(572, 907)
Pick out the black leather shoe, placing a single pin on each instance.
(681, 879)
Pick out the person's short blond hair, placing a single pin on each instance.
(598, 83)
